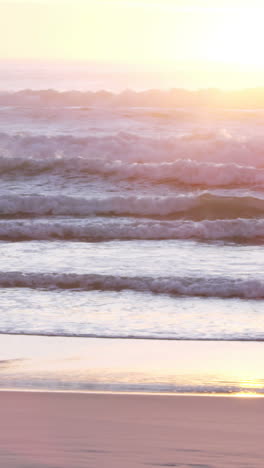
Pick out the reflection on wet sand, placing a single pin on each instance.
(79, 364)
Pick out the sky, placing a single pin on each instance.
(161, 34)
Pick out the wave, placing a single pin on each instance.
(97, 231)
(206, 287)
(200, 206)
(176, 97)
(183, 172)
(131, 336)
(108, 154)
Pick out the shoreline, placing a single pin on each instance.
(136, 338)
(59, 430)
(241, 395)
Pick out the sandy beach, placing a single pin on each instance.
(71, 430)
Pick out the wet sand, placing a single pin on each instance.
(78, 364)
(71, 430)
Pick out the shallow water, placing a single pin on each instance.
(130, 219)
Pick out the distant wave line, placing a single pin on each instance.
(175, 97)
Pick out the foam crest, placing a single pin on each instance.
(207, 287)
(215, 147)
(196, 206)
(97, 231)
(185, 172)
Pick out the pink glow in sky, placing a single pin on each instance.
(165, 34)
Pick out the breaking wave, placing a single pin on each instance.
(207, 287)
(96, 231)
(194, 206)
(92, 153)
(252, 98)
(185, 172)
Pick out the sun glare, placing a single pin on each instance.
(247, 395)
(217, 46)
(239, 38)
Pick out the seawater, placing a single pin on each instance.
(130, 220)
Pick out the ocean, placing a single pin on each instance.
(125, 216)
